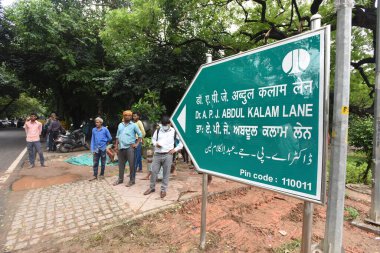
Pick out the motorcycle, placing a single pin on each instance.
(71, 141)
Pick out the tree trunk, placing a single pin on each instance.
(364, 176)
(100, 106)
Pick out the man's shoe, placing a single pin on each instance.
(163, 194)
(43, 165)
(92, 179)
(117, 182)
(130, 183)
(101, 177)
(31, 166)
(149, 191)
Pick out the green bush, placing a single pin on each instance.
(150, 106)
(356, 168)
(360, 136)
(360, 133)
(147, 142)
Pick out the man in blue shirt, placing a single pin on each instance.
(126, 142)
(100, 137)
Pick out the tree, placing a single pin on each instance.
(10, 88)
(23, 106)
(57, 50)
(228, 27)
(98, 56)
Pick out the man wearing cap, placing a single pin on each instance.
(126, 143)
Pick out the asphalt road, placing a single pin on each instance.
(12, 142)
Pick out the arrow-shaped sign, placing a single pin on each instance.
(258, 117)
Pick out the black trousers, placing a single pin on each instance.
(127, 155)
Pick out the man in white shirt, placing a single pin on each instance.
(164, 139)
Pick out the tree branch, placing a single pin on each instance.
(363, 61)
(291, 16)
(263, 9)
(207, 44)
(358, 67)
(315, 6)
(294, 3)
(364, 17)
(281, 5)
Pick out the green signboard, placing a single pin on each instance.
(260, 117)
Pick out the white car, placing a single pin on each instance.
(6, 123)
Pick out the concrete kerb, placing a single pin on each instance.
(151, 213)
(366, 226)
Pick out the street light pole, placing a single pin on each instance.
(374, 215)
(335, 209)
(204, 193)
(308, 207)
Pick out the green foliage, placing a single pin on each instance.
(147, 142)
(90, 57)
(22, 107)
(229, 25)
(362, 77)
(356, 168)
(10, 85)
(360, 133)
(350, 213)
(150, 106)
(56, 48)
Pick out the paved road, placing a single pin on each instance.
(12, 142)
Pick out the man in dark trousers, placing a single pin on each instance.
(126, 144)
(100, 137)
(53, 130)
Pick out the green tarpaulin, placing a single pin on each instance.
(86, 160)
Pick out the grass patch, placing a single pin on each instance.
(291, 247)
(350, 213)
(95, 240)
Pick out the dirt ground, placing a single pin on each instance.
(245, 220)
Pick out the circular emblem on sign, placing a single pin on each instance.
(296, 61)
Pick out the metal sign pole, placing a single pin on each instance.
(204, 193)
(335, 209)
(308, 207)
(203, 211)
(374, 215)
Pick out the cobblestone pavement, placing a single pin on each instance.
(60, 212)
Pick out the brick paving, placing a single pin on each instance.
(61, 211)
